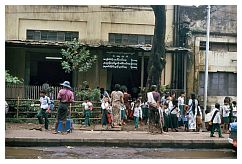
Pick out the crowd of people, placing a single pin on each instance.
(161, 112)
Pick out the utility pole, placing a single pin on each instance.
(206, 59)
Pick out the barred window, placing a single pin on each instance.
(52, 35)
(131, 39)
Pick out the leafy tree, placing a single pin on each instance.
(9, 79)
(76, 57)
(157, 57)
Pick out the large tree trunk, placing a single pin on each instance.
(157, 57)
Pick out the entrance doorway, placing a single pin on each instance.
(130, 78)
(51, 72)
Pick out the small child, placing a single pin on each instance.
(185, 118)
(105, 107)
(44, 109)
(87, 111)
(166, 115)
(137, 113)
(234, 111)
(145, 108)
(122, 114)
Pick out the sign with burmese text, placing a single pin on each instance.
(120, 60)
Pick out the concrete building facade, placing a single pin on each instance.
(94, 26)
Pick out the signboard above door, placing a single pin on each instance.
(120, 60)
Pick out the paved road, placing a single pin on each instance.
(84, 152)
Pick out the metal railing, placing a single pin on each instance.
(29, 91)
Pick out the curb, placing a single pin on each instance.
(139, 143)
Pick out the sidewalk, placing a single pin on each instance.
(26, 137)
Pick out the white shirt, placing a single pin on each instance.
(105, 105)
(174, 111)
(137, 112)
(234, 111)
(44, 102)
(87, 105)
(225, 110)
(208, 117)
(217, 118)
(180, 100)
(190, 105)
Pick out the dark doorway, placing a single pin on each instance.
(52, 72)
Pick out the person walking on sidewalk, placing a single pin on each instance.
(44, 109)
(117, 99)
(216, 121)
(65, 96)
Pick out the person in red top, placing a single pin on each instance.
(65, 96)
(127, 100)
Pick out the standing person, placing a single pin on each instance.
(145, 110)
(216, 121)
(87, 104)
(44, 109)
(166, 115)
(153, 101)
(123, 115)
(173, 107)
(105, 107)
(198, 118)
(185, 119)
(208, 117)
(181, 104)
(137, 113)
(192, 103)
(117, 99)
(127, 100)
(66, 97)
(234, 111)
(225, 115)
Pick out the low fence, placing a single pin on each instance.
(29, 92)
(27, 109)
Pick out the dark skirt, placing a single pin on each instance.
(174, 121)
(166, 120)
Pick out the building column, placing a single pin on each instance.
(142, 71)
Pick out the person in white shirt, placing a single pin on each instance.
(216, 121)
(87, 111)
(208, 117)
(44, 109)
(225, 115)
(192, 112)
(174, 111)
(105, 106)
(181, 104)
(137, 113)
(234, 111)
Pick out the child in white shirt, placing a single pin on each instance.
(87, 111)
(137, 113)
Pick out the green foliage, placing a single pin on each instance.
(163, 88)
(76, 57)
(87, 93)
(9, 79)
